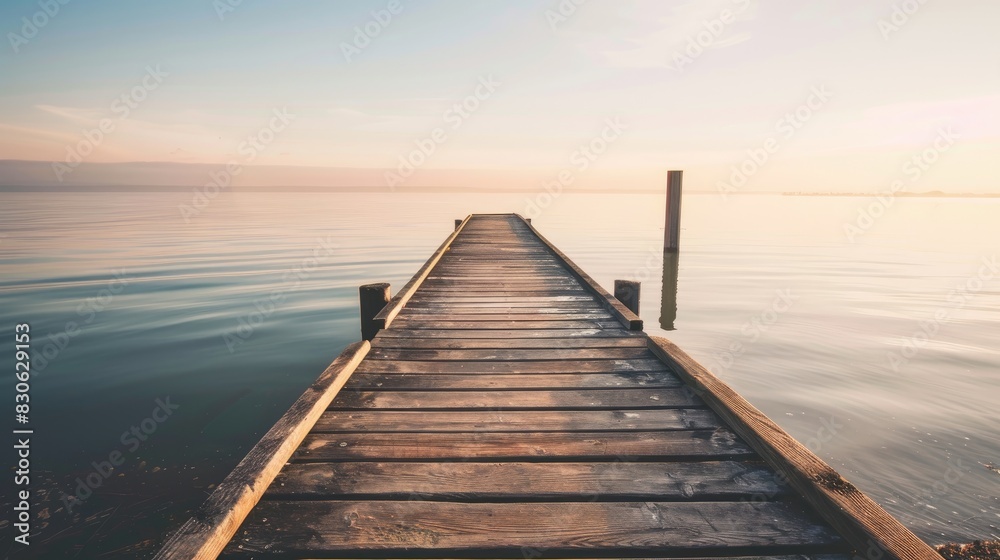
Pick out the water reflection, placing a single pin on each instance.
(668, 303)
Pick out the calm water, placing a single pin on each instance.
(823, 334)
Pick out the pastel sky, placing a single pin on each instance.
(894, 88)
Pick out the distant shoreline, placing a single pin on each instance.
(445, 190)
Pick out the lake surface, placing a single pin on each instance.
(881, 353)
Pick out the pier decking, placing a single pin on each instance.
(510, 407)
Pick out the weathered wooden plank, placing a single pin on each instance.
(318, 527)
(587, 312)
(505, 343)
(500, 284)
(496, 317)
(563, 366)
(430, 381)
(517, 421)
(541, 446)
(541, 300)
(509, 334)
(859, 519)
(516, 400)
(504, 291)
(680, 481)
(445, 304)
(509, 355)
(529, 552)
(207, 532)
(544, 266)
(409, 322)
(460, 276)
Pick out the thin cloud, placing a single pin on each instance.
(77, 115)
(646, 34)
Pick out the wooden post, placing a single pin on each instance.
(373, 298)
(627, 292)
(528, 220)
(672, 227)
(458, 223)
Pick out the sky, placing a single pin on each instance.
(744, 95)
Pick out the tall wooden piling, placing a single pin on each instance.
(672, 229)
(373, 298)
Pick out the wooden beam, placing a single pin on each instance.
(623, 314)
(627, 292)
(205, 535)
(374, 298)
(869, 528)
(389, 312)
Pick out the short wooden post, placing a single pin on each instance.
(672, 227)
(528, 220)
(458, 223)
(373, 298)
(627, 292)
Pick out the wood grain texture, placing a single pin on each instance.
(508, 354)
(411, 322)
(560, 447)
(319, 527)
(517, 421)
(499, 382)
(213, 525)
(494, 317)
(508, 344)
(509, 334)
(581, 482)
(859, 519)
(592, 399)
(546, 367)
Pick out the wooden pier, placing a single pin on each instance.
(509, 407)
